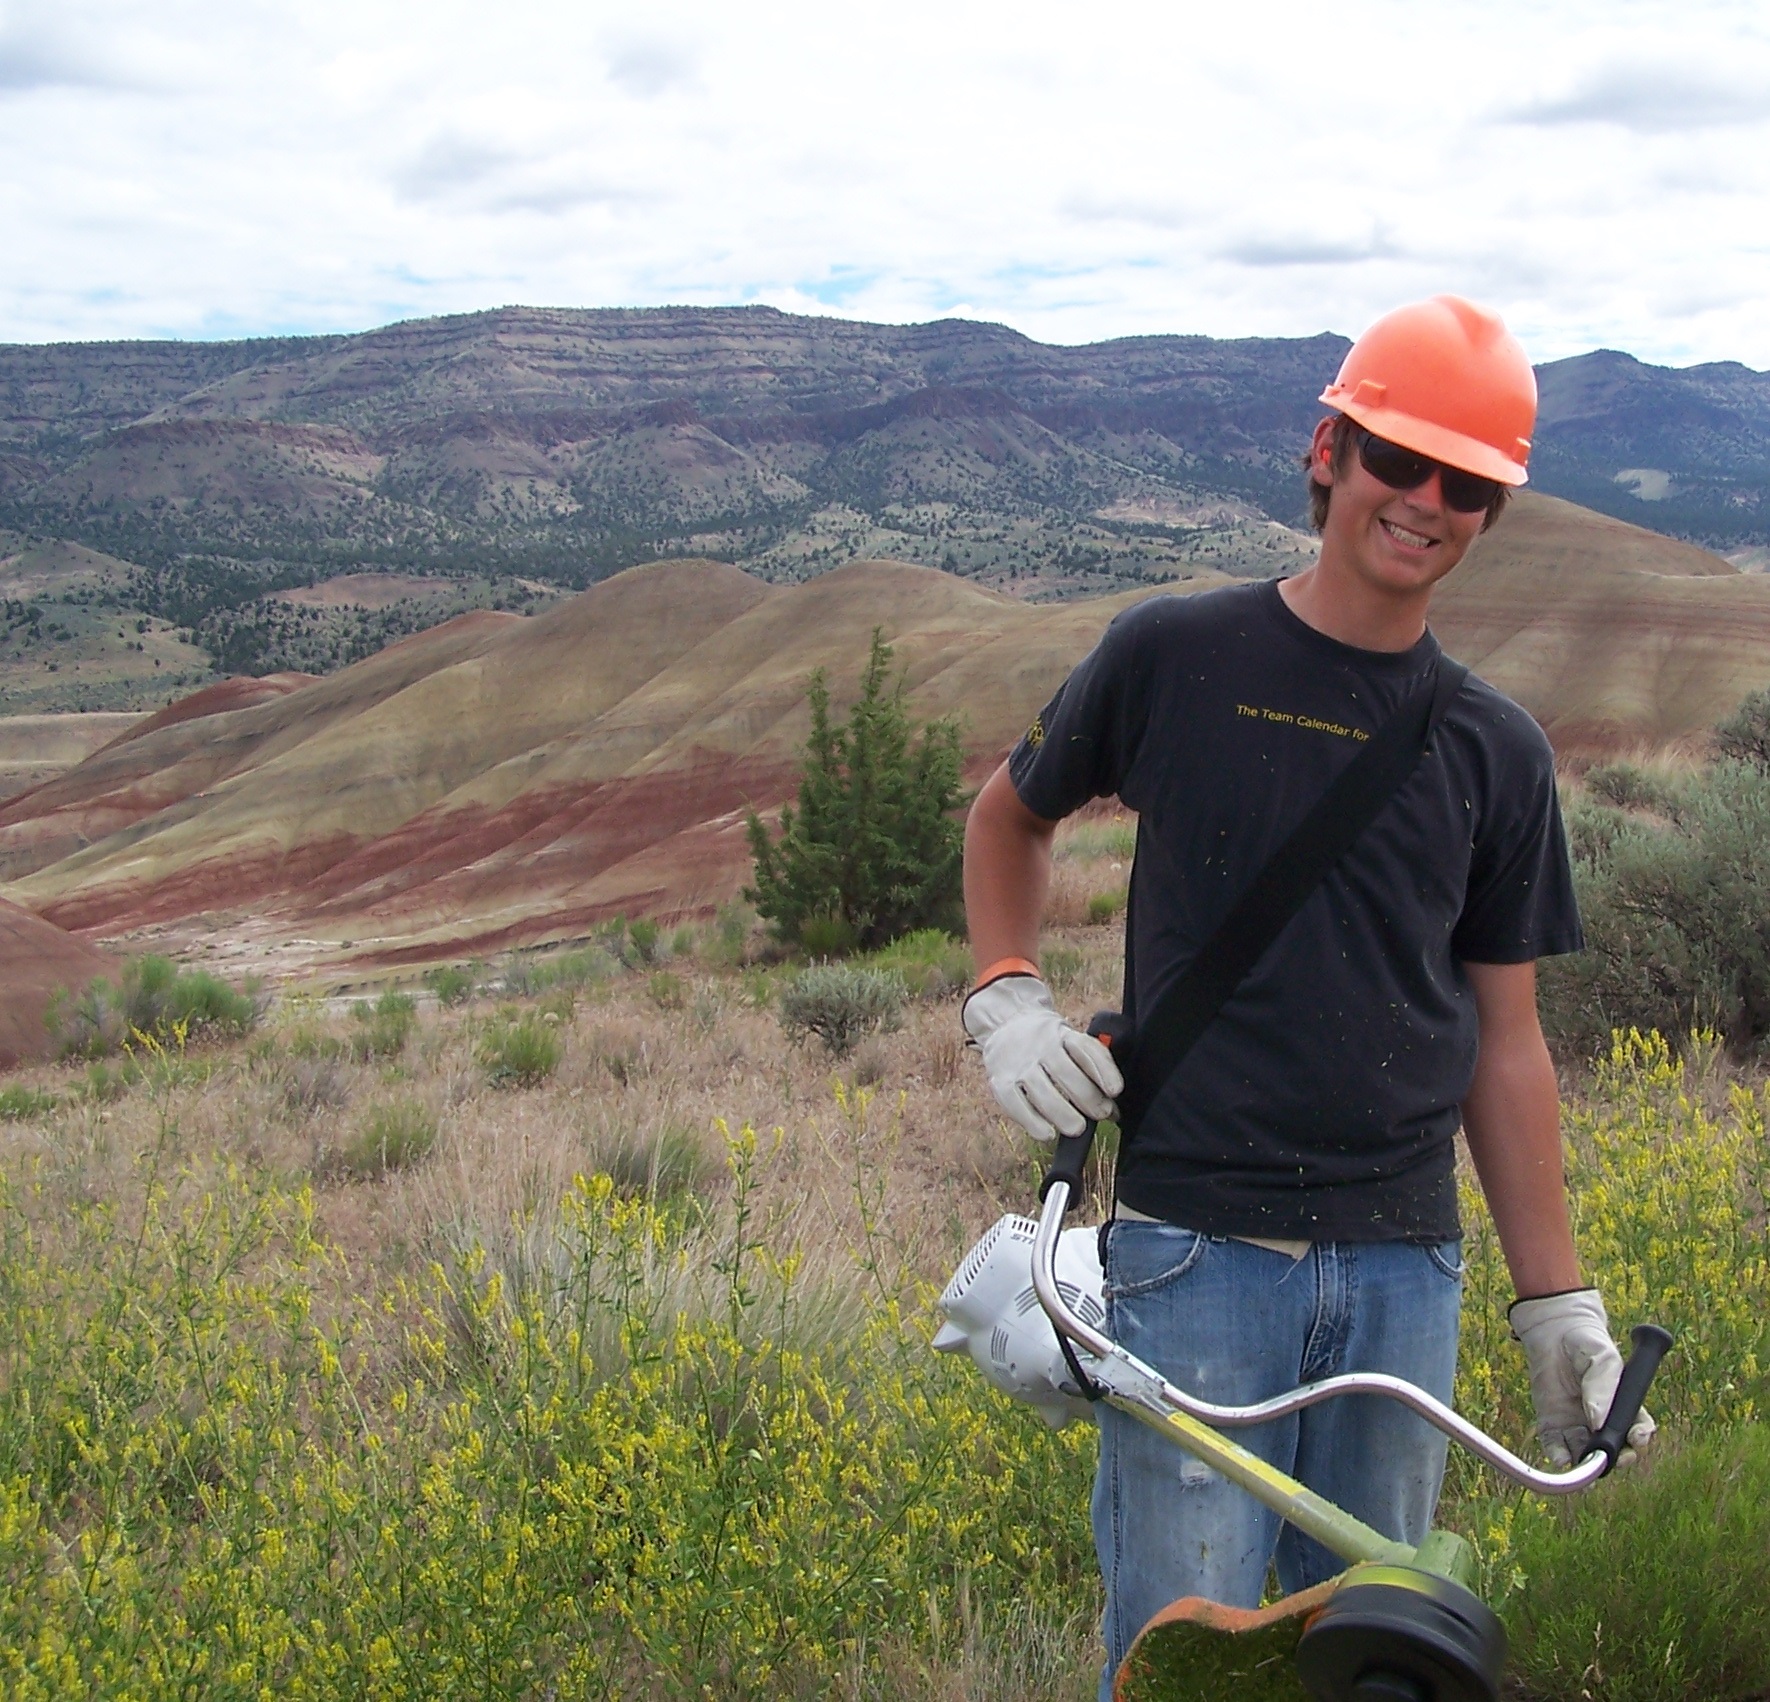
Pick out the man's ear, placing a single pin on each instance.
(1321, 453)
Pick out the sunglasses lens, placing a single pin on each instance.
(1400, 469)
(1467, 493)
(1405, 470)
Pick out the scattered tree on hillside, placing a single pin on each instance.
(873, 850)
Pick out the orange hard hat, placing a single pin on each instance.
(1447, 379)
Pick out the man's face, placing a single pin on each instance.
(1396, 542)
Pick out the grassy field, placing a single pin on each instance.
(573, 1342)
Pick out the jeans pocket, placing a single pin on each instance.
(1447, 1259)
(1142, 1257)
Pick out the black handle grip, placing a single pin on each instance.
(1651, 1345)
(1070, 1157)
(1068, 1161)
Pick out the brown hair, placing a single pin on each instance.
(1319, 493)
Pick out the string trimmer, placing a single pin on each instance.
(1400, 1625)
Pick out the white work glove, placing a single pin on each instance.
(1574, 1370)
(1050, 1078)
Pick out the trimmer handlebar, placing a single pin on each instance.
(1123, 1374)
(1651, 1345)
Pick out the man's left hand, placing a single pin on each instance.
(1574, 1370)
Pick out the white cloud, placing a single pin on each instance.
(447, 163)
(45, 47)
(1652, 97)
(196, 167)
(648, 65)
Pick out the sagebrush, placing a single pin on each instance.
(841, 1002)
(1673, 878)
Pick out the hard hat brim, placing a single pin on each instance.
(1469, 454)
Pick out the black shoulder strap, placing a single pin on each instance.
(1276, 894)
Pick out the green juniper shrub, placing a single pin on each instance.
(393, 1136)
(873, 839)
(669, 992)
(521, 1051)
(1103, 906)
(452, 983)
(841, 1002)
(682, 941)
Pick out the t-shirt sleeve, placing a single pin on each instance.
(1520, 903)
(1082, 741)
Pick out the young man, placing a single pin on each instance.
(1287, 1207)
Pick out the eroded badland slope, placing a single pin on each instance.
(502, 779)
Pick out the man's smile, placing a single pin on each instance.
(1406, 537)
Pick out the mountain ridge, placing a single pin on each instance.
(525, 453)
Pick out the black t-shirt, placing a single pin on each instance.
(1323, 1101)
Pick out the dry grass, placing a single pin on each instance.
(879, 1169)
(900, 1139)
(1092, 857)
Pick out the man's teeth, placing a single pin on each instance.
(1413, 540)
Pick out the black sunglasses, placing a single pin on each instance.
(1405, 470)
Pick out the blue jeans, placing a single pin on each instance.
(1234, 1324)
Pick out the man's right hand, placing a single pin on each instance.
(1050, 1078)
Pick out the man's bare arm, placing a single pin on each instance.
(1512, 1118)
(1007, 871)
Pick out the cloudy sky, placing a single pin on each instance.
(1597, 169)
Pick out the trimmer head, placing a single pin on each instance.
(1376, 1634)
(1402, 1634)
